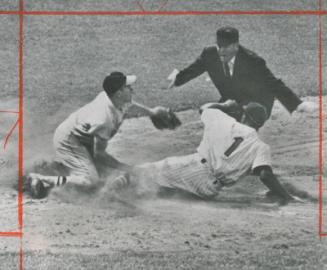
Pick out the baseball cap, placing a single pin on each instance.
(116, 80)
(227, 35)
(256, 113)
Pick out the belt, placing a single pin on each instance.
(203, 161)
(223, 183)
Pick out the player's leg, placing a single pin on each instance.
(79, 163)
(185, 173)
(140, 180)
(86, 175)
(77, 158)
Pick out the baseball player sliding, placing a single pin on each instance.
(228, 151)
(83, 137)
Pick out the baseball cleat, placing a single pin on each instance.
(37, 187)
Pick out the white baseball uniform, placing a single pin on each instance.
(228, 151)
(104, 120)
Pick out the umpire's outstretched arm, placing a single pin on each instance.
(268, 178)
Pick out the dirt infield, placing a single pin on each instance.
(241, 229)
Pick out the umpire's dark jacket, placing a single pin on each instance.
(251, 80)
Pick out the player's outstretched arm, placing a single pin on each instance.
(161, 117)
(230, 107)
(143, 109)
(268, 178)
(198, 67)
(147, 111)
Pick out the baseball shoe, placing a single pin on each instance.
(36, 186)
(121, 182)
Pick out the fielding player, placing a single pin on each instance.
(83, 136)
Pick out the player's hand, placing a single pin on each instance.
(210, 105)
(159, 110)
(296, 199)
(172, 78)
(307, 107)
(230, 103)
(292, 199)
(224, 181)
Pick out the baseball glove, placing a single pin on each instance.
(165, 118)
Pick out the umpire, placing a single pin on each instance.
(239, 74)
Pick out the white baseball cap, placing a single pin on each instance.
(116, 80)
(130, 79)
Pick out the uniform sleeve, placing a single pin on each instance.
(192, 71)
(284, 94)
(98, 127)
(233, 109)
(209, 115)
(263, 157)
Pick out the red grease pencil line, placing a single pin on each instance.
(20, 131)
(20, 119)
(10, 234)
(160, 12)
(10, 133)
(320, 130)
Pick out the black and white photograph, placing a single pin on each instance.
(163, 134)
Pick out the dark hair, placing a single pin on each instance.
(112, 83)
(227, 35)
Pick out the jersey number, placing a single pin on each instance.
(235, 144)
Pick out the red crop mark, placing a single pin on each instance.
(21, 255)
(144, 12)
(320, 125)
(10, 133)
(20, 130)
(4, 12)
(11, 234)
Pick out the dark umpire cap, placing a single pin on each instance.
(256, 113)
(227, 35)
(116, 80)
